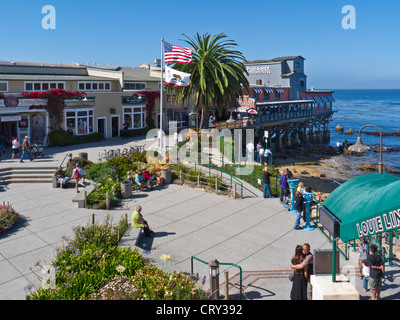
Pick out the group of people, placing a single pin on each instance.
(142, 178)
(370, 264)
(77, 174)
(370, 267)
(262, 154)
(16, 146)
(299, 199)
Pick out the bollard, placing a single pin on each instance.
(292, 185)
(308, 197)
(226, 285)
(214, 279)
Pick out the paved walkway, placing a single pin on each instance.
(255, 233)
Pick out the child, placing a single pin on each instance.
(365, 272)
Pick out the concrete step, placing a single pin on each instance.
(28, 174)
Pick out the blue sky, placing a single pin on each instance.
(129, 33)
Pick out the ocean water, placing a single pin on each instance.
(356, 108)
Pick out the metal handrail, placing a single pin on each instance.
(220, 263)
(210, 165)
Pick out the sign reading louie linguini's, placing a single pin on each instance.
(11, 102)
(381, 223)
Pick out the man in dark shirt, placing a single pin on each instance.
(376, 272)
(266, 182)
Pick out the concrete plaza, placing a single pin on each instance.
(254, 233)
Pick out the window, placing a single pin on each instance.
(3, 86)
(135, 86)
(259, 82)
(94, 86)
(297, 64)
(79, 122)
(277, 96)
(43, 86)
(135, 117)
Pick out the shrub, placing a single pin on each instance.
(63, 138)
(131, 162)
(8, 218)
(193, 174)
(88, 261)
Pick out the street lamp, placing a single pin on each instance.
(214, 278)
(360, 147)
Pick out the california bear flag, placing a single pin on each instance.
(176, 78)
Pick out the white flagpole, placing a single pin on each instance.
(161, 95)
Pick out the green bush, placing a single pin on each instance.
(193, 174)
(92, 266)
(63, 138)
(211, 182)
(99, 172)
(131, 162)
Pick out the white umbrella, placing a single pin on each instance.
(252, 111)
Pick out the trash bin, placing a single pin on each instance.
(126, 189)
(166, 175)
(83, 155)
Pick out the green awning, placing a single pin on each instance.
(366, 205)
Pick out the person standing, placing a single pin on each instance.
(266, 181)
(250, 152)
(299, 283)
(26, 150)
(261, 154)
(2, 143)
(15, 147)
(283, 184)
(258, 147)
(125, 131)
(376, 272)
(362, 251)
(308, 265)
(267, 153)
(77, 173)
(298, 206)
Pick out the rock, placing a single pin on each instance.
(338, 128)
(369, 167)
(349, 131)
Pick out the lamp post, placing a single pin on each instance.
(360, 147)
(214, 278)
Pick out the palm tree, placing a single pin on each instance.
(217, 74)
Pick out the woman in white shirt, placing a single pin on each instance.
(15, 147)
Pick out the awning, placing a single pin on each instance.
(269, 90)
(279, 90)
(258, 90)
(366, 205)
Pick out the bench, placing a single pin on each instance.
(80, 197)
(131, 237)
(68, 184)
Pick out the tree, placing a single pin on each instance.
(218, 74)
(55, 104)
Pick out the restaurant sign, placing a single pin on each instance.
(12, 102)
(246, 102)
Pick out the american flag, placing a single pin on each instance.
(176, 54)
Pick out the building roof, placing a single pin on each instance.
(274, 60)
(138, 74)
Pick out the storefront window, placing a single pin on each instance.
(79, 121)
(135, 117)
